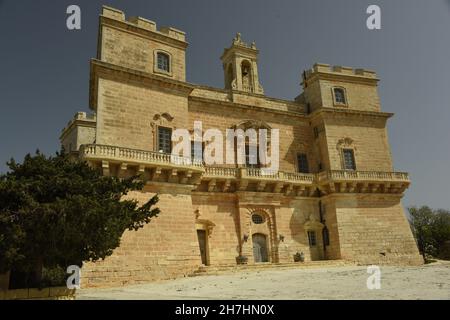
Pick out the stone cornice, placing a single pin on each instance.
(349, 112)
(360, 195)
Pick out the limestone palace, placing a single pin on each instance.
(335, 196)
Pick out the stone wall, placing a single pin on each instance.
(366, 136)
(126, 116)
(165, 248)
(223, 239)
(372, 229)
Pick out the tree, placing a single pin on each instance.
(431, 229)
(58, 212)
(440, 228)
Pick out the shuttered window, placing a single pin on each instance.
(349, 159)
(165, 140)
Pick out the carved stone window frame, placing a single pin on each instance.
(163, 120)
(345, 144)
(336, 103)
(156, 69)
(256, 125)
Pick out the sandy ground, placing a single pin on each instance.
(430, 281)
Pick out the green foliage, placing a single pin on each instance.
(57, 212)
(54, 277)
(431, 229)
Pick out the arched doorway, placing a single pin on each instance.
(260, 248)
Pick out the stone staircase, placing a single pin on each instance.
(226, 269)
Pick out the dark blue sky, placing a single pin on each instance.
(44, 67)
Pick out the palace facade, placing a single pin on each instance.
(336, 195)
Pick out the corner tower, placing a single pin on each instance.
(136, 43)
(240, 65)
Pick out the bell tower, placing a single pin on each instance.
(240, 65)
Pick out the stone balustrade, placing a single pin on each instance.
(185, 170)
(221, 172)
(346, 175)
(247, 88)
(265, 174)
(114, 153)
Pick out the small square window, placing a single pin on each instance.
(163, 62)
(339, 96)
(316, 132)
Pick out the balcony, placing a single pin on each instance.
(363, 181)
(255, 179)
(153, 166)
(161, 167)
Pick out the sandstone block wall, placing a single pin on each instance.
(126, 117)
(372, 229)
(165, 248)
(368, 140)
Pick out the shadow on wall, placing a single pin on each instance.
(296, 226)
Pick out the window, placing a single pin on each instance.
(251, 159)
(316, 132)
(197, 148)
(339, 96)
(164, 140)
(302, 163)
(312, 238)
(349, 159)
(163, 62)
(257, 219)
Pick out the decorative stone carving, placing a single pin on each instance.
(163, 116)
(253, 124)
(237, 39)
(234, 84)
(345, 143)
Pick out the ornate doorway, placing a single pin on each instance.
(260, 248)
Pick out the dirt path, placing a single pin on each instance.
(430, 281)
